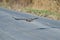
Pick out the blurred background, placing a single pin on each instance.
(44, 8)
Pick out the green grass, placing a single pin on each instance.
(44, 13)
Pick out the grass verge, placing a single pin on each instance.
(44, 13)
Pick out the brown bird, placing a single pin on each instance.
(28, 20)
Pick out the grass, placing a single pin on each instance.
(44, 13)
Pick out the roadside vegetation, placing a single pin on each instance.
(33, 7)
(43, 13)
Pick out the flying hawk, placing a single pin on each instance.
(28, 20)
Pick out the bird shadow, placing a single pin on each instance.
(41, 28)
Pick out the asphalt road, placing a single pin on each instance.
(39, 29)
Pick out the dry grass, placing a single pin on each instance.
(44, 13)
(45, 8)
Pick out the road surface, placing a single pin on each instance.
(39, 29)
